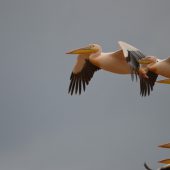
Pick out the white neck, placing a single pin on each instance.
(94, 55)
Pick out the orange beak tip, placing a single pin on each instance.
(165, 145)
(69, 52)
(165, 161)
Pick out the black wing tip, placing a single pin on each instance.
(79, 81)
(145, 87)
(75, 84)
(132, 60)
(146, 166)
(147, 84)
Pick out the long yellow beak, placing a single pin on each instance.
(165, 81)
(144, 61)
(165, 161)
(84, 50)
(167, 145)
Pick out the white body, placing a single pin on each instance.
(161, 68)
(114, 62)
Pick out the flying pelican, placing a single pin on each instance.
(123, 61)
(158, 66)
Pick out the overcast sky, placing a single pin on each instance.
(109, 127)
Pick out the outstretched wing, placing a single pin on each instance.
(146, 84)
(133, 55)
(81, 75)
(132, 59)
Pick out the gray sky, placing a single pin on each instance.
(108, 127)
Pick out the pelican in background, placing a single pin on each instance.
(158, 66)
(123, 61)
(165, 161)
(165, 167)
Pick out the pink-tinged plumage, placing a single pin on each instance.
(123, 61)
(158, 66)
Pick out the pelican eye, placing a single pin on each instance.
(92, 46)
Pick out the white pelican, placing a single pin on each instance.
(122, 61)
(158, 66)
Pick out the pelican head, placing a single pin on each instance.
(148, 60)
(90, 49)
